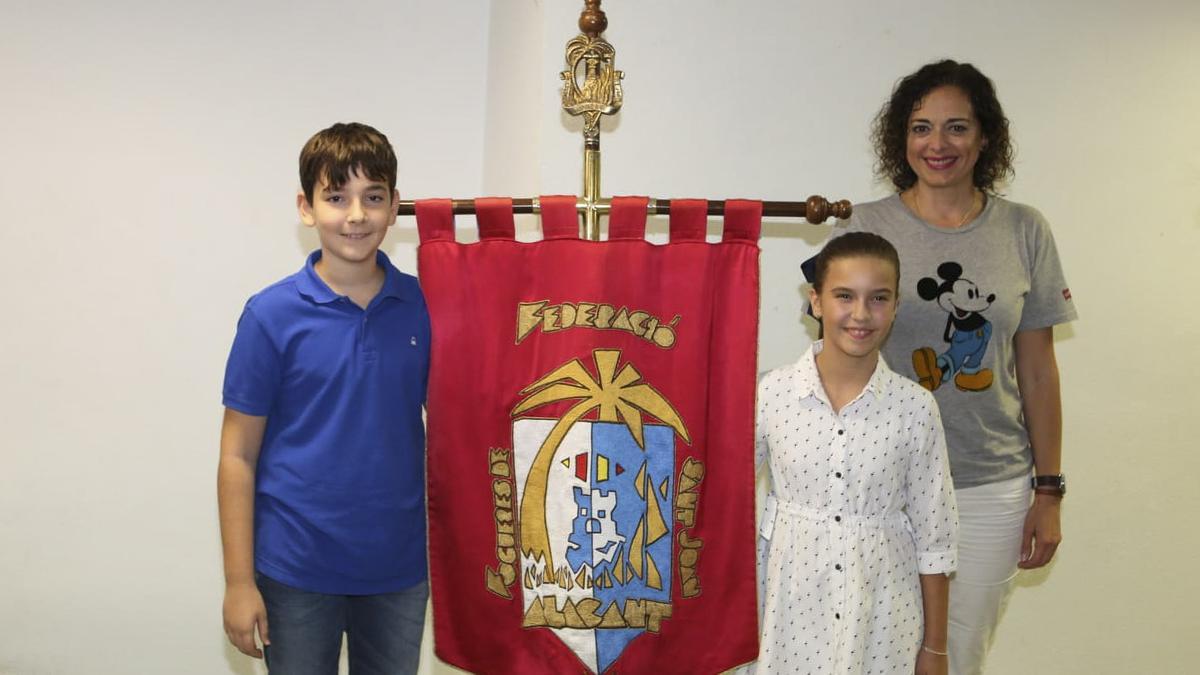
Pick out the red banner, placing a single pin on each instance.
(591, 431)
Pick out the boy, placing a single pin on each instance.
(321, 479)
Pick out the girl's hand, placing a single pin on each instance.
(929, 663)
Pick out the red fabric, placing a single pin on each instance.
(435, 219)
(482, 369)
(743, 220)
(627, 219)
(560, 219)
(495, 218)
(689, 219)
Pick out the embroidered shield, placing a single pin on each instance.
(595, 543)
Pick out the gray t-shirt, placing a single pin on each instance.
(964, 293)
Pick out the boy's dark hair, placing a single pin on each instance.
(335, 152)
(853, 245)
(889, 133)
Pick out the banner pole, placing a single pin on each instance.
(590, 56)
(600, 93)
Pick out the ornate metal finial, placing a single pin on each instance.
(600, 93)
(592, 20)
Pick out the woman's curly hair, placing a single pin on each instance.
(889, 133)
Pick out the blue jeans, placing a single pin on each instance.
(383, 632)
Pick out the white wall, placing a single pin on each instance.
(147, 187)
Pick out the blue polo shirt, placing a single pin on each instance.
(340, 486)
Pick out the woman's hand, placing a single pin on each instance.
(1042, 533)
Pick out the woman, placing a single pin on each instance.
(984, 289)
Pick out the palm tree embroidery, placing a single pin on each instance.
(614, 394)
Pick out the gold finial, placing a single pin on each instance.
(600, 92)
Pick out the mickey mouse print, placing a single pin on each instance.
(966, 335)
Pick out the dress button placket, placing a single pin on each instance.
(838, 504)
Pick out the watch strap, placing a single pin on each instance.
(1050, 484)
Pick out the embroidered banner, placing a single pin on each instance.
(590, 442)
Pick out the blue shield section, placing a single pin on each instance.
(579, 544)
(613, 446)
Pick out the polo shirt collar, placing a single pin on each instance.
(312, 286)
(394, 285)
(807, 380)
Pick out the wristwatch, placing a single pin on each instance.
(1053, 484)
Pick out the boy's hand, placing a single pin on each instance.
(244, 612)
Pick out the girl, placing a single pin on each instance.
(860, 523)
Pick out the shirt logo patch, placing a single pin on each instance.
(1066, 294)
(413, 341)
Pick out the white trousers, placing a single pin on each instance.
(991, 518)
